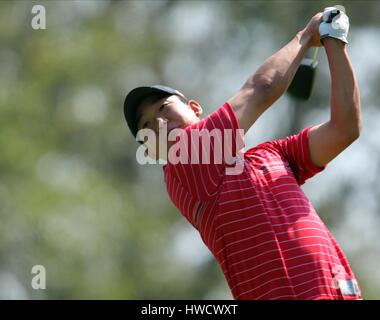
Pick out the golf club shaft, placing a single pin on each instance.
(315, 54)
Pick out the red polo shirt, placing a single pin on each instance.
(262, 229)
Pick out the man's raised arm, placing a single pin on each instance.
(274, 76)
(329, 139)
(326, 141)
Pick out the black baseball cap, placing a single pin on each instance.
(137, 95)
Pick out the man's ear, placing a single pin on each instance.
(195, 106)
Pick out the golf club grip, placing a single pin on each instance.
(332, 16)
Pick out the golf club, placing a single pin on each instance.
(302, 83)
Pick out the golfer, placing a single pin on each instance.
(261, 228)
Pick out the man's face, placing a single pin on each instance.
(170, 111)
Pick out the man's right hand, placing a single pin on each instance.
(311, 31)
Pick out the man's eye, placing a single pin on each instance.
(145, 125)
(162, 107)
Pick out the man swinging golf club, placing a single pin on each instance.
(263, 231)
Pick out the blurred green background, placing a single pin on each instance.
(72, 196)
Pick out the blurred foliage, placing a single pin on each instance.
(72, 197)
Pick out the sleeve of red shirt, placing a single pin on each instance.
(201, 180)
(296, 150)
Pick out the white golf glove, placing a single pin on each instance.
(335, 24)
